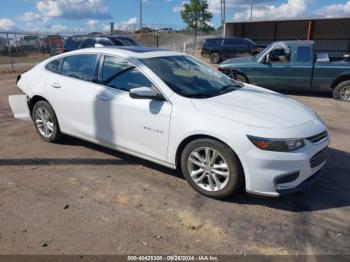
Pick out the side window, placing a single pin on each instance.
(231, 41)
(279, 56)
(54, 66)
(105, 42)
(120, 74)
(80, 66)
(304, 54)
(117, 42)
(89, 43)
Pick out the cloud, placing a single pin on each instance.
(334, 10)
(92, 24)
(215, 5)
(290, 9)
(73, 9)
(123, 25)
(7, 24)
(31, 17)
(177, 9)
(57, 28)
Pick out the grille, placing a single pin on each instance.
(319, 158)
(318, 138)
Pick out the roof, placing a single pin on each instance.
(288, 20)
(296, 42)
(138, 52)
(138, 49)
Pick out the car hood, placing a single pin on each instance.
(256, 106)
(239, 60)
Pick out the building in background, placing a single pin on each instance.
(331, 35)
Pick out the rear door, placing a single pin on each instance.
(72, 94)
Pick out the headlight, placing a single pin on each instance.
(278, 145)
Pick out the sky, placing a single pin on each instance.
(74, 16)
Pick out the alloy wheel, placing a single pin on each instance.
(345, 93)
(208, 169)
(44, 122)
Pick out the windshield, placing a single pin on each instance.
(189, 77)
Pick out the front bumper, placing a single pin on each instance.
(276, 173)
(302, 186)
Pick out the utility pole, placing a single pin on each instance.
(140, 13)
(112, 28)
(223, 12)
(251, 10)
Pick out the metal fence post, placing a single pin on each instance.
(10, 53)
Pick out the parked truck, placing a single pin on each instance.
(292, 65)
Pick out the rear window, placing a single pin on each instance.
(80, 66)
(304, 54)
(54, 66)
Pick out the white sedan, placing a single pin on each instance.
(172, 109)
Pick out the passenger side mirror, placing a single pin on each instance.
(145, 93)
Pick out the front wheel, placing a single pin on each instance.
(211, 168)
(342, 91)
(241, 78)
(45, 122)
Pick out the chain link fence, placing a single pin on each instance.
(20, 51)
(23, 50)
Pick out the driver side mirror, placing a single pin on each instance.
(145, 93)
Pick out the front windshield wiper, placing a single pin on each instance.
(200, 95)
(229, 88)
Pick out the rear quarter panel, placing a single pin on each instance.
(326, 73)
(33, 82)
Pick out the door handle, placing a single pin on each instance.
(104, 97)
(287, 67)
(56, 85)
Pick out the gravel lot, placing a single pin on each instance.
(79, 198)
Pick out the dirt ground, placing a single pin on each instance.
(79, 198)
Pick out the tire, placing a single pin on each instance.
(45, 122)
(342, 91)
(215, 58)
(241, 78)
(207, 179)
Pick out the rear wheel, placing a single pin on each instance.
(45, 122)
(211, 168)
(215, 58)
(342, 91)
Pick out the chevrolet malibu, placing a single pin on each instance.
(172, 109)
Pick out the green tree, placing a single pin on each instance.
(197, 16)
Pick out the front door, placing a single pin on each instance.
(276, 72)
(139, 125)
